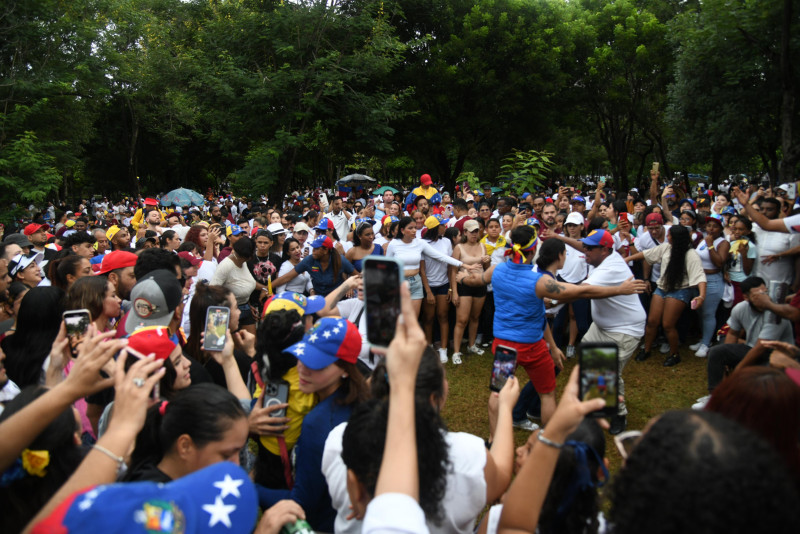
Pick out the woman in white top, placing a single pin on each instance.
(234, 275)
(574, 271)
(408, 249)
(474, 475)
(713, 252)
(292, 254)
(437, 286)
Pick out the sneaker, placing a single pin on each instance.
(570, 351)
(643, 355)
(618, 424)
(486, 344)
(530, 415)
(664, 348)
(526, 424)
(672, 361)
(696, 346)
(474, 349)
(443, 355)
(702, 351)
(701, 403)
(457, 358)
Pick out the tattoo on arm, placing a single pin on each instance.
(553, 287)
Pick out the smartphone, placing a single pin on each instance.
(276, 393)
(655, 166)
(77, 324)
(323, 201)
(133, 356)
(505, 363)
(382, 279)
(217, 318)
(599, 378)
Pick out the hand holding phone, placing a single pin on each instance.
(76, 323)
(217, 318)
(382, 277)
(599, 376)
(504, 366)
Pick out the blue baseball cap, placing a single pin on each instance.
(234, 229)
(219, 498)
(525, 195)
(599, 238)
(323, 241)
(330, 339)
(577, 198)
(532, 221)
(728, 210)
(716, 217)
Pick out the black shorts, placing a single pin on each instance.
(471, 291)
(246, 317)
(440, 290)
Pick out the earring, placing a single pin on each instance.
(344, 376)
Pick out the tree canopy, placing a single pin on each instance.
(121, 97)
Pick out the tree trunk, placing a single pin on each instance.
(790, 148)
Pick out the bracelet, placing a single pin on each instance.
(121, 467)
(549, 442)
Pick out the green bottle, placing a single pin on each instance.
(301, 526)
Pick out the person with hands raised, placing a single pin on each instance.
(522, 506)
(106, 460)
(395, 508)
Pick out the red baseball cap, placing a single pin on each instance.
(654, 217)
(425, 179)
(33, 228)
(150, 202)
(119, 259)
(152, 340)
(194, 260)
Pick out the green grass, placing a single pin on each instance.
(650, 389)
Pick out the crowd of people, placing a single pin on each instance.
(135, 422)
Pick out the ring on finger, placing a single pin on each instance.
(138, 382)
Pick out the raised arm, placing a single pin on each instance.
(564, 292)
(431, 252)
(773, 225)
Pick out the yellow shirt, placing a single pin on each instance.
(299, 405)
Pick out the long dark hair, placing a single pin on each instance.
(549, 252)
(279, 330)
(57, 270)
(721, 476)
(404, 221)
(204, 412)
(579, 515)
(38, 323)
(676, 269)
(358, 231)
(24, 497)
(286, 245)
(365, 435)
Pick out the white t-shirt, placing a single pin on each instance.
(622, 314)
(238, 280)
(436, 271)
(770, 243)
(394, 513)
(792, 224)
(574, 270)
(350, 310)
(301, 284)
(464, 499)
(646, 242)
(411, 253)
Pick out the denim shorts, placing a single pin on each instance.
(685, 295)
(415, 285)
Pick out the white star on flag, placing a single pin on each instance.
(326, 334)
(229, 486)
(220, 512)
(301, 345)
(313, 337)
(85, 504)
(340, 324)
(335, 330)
(299, 351)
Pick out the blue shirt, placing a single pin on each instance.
(518, 313)
(310, 488)
(377, 251)
(323, 281)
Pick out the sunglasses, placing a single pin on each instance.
(626, 442)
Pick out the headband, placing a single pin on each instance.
(517, 252)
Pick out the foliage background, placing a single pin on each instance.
(121, 97)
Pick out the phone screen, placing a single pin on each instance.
(599, 377)
(505, 363)
(77, 324)
(217, 318)
(381, 298)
